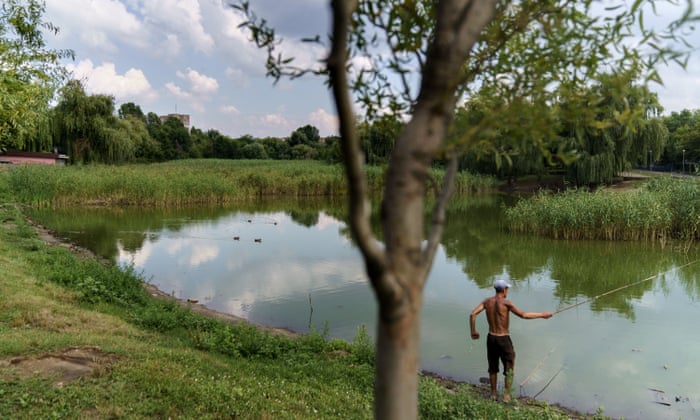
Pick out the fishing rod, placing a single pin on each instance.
(622, 287)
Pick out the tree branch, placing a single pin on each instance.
(402, 75)
(438, 219)
(359, 208)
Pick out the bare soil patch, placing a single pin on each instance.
(66, 366)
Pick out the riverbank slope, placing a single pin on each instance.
(70, 348)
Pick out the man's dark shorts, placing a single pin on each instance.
(499, 347)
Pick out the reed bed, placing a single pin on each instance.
(188, 182)
(665, 208)
(468, 183)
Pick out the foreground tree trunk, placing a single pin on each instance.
(397, 364)
(399, 270)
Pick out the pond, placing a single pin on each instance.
(291, 263)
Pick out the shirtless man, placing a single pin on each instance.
(498, 343)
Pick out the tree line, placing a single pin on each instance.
(631, 131)
(89, 129)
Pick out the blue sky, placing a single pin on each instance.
(189, 56)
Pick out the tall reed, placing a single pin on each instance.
(191, 182)
(664, 208)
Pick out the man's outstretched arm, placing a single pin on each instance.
(527, 315)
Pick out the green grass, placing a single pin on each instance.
(201, 181)
(170, 362)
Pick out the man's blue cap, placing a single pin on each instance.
(501, 284)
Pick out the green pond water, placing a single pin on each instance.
(291, 263)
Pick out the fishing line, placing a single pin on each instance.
(546, 356)
(550, 381)
(622, 287)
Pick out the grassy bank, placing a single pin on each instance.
(664, 208)
(142, 357)
(193, 181)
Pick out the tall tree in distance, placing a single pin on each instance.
(304, 142)
(131, 109)
(307, 135)
(132, 122)
(684, 134)
(417, 60)
(378, 138)
(174, 139)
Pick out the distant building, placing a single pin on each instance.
(184, 119)
(15, 157)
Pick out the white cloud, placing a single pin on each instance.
(325, 122)
(229, 109)
(98, 24)
(232, 41)
(200, 89)
(131, 86)
(681, 87)
(237, 76)
(182, 18)
(170, 46)
(305, 54)
(177, 91)
(277, 120)
(137, 45)
(357, 64)
(199, 83)
(190, 104)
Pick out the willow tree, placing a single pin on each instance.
(86, 127)
(417, 60)
(30, 72)
(514, 152)
(627, 131)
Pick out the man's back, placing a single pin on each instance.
(497, 314)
